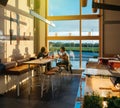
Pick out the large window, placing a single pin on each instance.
(65, 28)
(77, 28)
(63, 7)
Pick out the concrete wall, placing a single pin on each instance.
(111, 30)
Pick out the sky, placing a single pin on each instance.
(70, 7)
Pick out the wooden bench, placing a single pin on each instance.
(17, 70)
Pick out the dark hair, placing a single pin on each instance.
(63, 48)
(43, 49)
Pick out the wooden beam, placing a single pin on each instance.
(105, 6)
(75, 17)
(73, 38)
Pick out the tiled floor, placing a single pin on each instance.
(65, 95)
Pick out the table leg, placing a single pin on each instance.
(29, 79)
(18, 87)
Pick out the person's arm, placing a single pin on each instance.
(64, 56)
(45, 55)
(59, 55)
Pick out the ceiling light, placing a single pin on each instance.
(36, 15)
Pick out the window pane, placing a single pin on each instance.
(90, 49)
(72, 48)
(65, 28)
(90, 27)
(88, 8)
(63, 7)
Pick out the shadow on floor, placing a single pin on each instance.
(64, 96)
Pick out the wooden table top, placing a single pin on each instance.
(39, 61)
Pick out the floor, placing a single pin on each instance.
(64, 96)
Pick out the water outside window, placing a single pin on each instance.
(72, 48)
(90, 49)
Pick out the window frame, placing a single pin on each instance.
(80, 38)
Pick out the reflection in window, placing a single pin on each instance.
(65, 28)
(63, 7)
(90, 27)
(72, 48)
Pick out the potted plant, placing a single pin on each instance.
(92, 101)
(113, 102)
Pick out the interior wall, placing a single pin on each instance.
(42, 24)
(22, 45)
(1, 20)
(111, 29)
(39, 26)
(15, 51)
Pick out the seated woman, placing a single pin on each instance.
(44, 54)
(63, 56)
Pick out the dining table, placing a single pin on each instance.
(40, 62)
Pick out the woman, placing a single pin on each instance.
(44, 54)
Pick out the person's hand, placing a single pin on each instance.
(45, 53)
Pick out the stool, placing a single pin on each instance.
(49, 75)
(69, 68)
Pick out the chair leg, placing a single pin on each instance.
(42, 86)
(52, 87)
(70, 69)
(60, 70)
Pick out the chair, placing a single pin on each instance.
(50, 77)
(69, 68)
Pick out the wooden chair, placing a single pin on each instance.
(69, 68)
